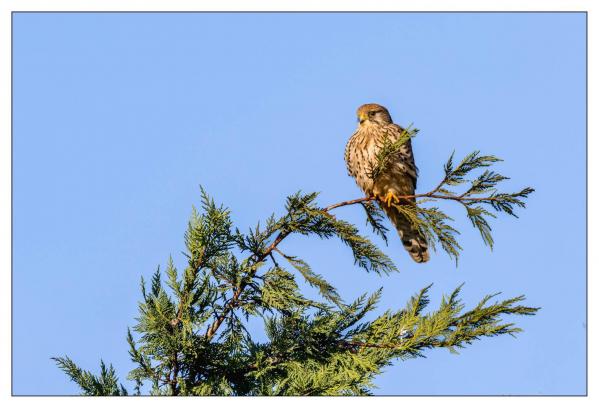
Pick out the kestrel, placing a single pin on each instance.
(398, 179)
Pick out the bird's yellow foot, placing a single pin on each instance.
(390, 198)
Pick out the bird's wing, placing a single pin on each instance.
(405, 155)
(348, 149)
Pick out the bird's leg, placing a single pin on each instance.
(390, 198)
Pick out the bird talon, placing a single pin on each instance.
(390, 198)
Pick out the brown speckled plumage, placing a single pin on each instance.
(399, 178)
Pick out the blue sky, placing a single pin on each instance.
(118, 118)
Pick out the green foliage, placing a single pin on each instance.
(104, 384)
(432, 224)
(480, 193)
(326, 290)
(191, 336)
(306, 218)
(388, 149)
(480, 199)
(375, 218)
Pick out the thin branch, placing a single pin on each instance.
(430, 194)
(358, 344)
(173, 380)
(350, 202)
(230, 305)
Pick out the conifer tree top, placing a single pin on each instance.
(191, 335)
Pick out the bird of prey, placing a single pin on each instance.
(398, 178)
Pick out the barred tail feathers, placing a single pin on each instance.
(412, 241)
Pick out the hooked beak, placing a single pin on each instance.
(362, 117)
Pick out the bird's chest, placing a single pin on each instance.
(361, 157)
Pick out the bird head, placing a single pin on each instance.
(372, 113)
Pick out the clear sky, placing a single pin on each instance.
(118, 118)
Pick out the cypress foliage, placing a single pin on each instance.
(191, 336)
